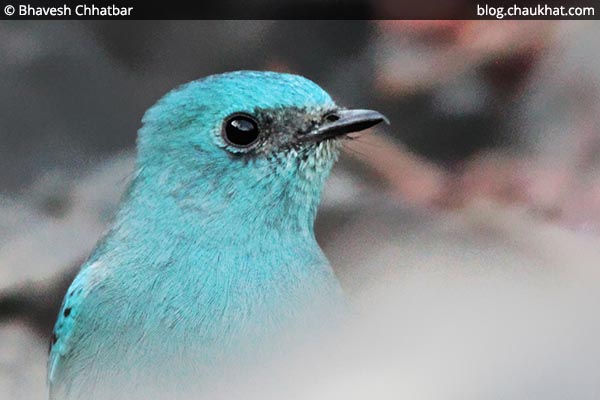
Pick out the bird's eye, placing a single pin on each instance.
(240, 130)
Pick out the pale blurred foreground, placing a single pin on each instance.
(486, 304)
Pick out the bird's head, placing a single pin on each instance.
(251, 143)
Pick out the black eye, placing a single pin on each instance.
(240, 130)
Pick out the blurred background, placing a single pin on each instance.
(481, 200)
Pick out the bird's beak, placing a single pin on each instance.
(342, 122)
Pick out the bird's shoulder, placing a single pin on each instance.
(66, 322)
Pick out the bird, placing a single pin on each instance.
(211, 257)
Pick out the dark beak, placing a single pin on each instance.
(342, 122)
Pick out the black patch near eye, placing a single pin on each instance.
(240, 130)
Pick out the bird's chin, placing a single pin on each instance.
(323, 138)
(328, 149)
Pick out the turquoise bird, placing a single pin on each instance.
(212, 257)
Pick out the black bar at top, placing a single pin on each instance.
(289, 9)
